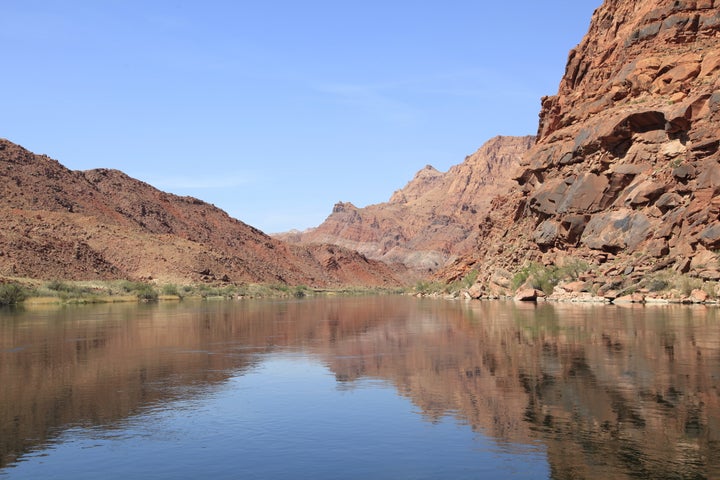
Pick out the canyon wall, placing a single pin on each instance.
(625, 172)
(433, 219)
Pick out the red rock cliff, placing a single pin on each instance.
(431, 220)
(625, 172)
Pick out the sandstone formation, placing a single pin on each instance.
(101, 224)
(625, 173)
(430, 221)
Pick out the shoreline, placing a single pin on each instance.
(34, 292)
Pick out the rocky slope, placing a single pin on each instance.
(102, 224)
(433, 219)
(625, 172)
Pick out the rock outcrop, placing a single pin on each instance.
(433, 219)
(625, 173)
(101, 224)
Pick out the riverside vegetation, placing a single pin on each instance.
(578, 280)
(574, 280)
(100, 291)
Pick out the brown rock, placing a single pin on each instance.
(629, 146)
(657, 248)
(668, 201)
(476, 291)
(684, 172)
(632, 298)
(434, 218)
(710, 236)
(103, 224)
(528, 295)
(575, 287)
(711, 273)
(546, 233)
(616, 230)
(703, 259)
(698, 296)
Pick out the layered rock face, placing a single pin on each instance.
(625, 171)
(433, 219)
(102, 224)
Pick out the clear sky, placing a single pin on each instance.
(274, 110)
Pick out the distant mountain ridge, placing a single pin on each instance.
(58, 223)
(433, 219)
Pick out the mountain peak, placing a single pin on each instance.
(434, 217)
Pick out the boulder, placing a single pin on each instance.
(710, 236)
(584, 194)
(546, 233)
(668, 201)
(698, 296)
(631, 298)
(528, 295)
(575, 287)
(476, 291)
(616, 230)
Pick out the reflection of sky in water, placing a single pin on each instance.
(371, 387)
(287, 417)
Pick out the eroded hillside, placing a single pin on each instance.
(102, 224)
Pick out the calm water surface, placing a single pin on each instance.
(369, 387)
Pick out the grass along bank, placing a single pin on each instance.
(22, 290)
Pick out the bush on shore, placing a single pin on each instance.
(11, 294)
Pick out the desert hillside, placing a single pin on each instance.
(622, 179)
(102, 224)
(433, 219)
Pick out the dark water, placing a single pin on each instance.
(370, 387)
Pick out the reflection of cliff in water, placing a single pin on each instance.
(95, 365)
(606, 389)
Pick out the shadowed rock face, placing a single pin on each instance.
(102, 224)
(626, 165)
(434, 218)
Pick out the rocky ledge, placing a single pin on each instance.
(625, 174)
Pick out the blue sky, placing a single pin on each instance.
(275, 110)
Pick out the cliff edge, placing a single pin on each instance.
(625, 173)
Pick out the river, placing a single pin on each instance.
(382, 387)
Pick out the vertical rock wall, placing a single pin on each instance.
(625, 172)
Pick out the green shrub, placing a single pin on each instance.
(146, 292)
(657, 284)
(538, 276)
(58, 286)
(67, 291)
(171, 289)
(11, 294)
(520, 278)
(128, 287)
(545, 278)
(470, 278)
(426, 287)
(710, 288)
(687, 284)
(572, 268)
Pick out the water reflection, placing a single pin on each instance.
(610, 392)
